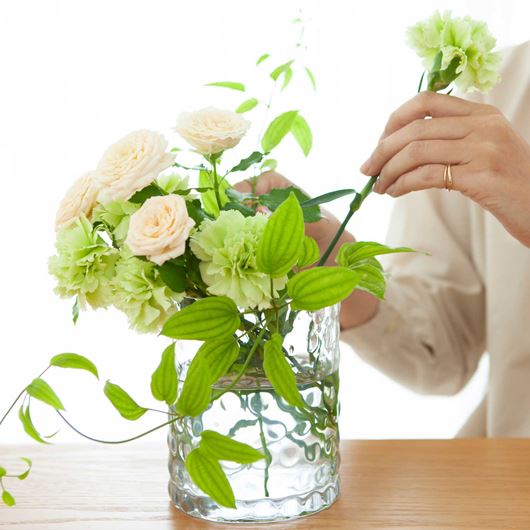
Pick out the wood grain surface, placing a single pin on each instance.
(451, 484)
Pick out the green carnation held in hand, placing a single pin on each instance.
(141, 294)
(227, 250)
(84, 264)
(456, 49)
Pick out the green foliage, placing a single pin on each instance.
(279, 247)
(229, 84)
(244, 164)
(196, 392)
(208, 475)
(27, 423)
(302, 134)
(146, 193)
(74, 360)
(269, 165)
(173, 274)
(42, 391)
(309, 254)
(311, 77)
(278, 196)
(327, 197)
(8, 499)
(277, 130)
(26, 473)
(247, 105)
(224, 448)
(75, 311)
(122, 402)
(164, 380)
(372, 277)
(262, 58)
(209, 200)
(280, 373)
(218, 355)
(209, 318)
(320, 287)
(284, 70)
(353, 253)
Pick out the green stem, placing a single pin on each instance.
(268, 456)
(354, 206)
(244, 367)
(116, 442)
(216, 183)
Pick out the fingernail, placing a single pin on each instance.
(366, 166)
(391, 189)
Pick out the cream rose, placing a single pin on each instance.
(159, 229)
(131, 164)
(212, 130)
(79, 199)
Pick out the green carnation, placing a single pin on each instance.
(456, 49)
(141, 294)
(115, 216)
(84, 264)
(227, 250)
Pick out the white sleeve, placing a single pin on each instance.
(429, 333)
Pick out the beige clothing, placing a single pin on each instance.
(472, 295)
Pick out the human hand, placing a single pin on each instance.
(490, 161)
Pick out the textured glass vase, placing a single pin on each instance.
(300, 474)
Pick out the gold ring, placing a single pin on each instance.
(448, 178)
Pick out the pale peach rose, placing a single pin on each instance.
(131, 164)
(159, 229)
(212, 130)
(79, 199)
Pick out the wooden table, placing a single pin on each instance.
(465, 484)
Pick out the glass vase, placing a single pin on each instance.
(300, 474)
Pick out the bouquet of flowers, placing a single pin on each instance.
(184, 254)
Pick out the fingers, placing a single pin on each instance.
(428, 104)
(421, 153)
(420, 129)
(425, 177)
(265, 182)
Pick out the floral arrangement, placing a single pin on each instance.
(205, 262)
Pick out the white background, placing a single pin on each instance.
(75, 76)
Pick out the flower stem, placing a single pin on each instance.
(216, 183)
(244, 367)
(354, 206)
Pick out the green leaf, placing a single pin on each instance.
(244, 164)
(8, 499)
(309, 254)
(277, 130)
(280, 373)
(173, 275)
(287, 76)
(146, 193)
(74, 360)
(75, 310)
(164, 380)
(278, 196)
(320, 287)
(327, 197)
(245, 210)
(208, 197)
(262, 58)
(218, 355)
(351, 253)
(209, 476)
(228, 84)
(42, 391)
(269, 165)
(224, 448)
(3, 472)
(205, 319)
(196, 212)
(279, 70)
(302, 134)
(196, 392)
(247, 105)
(311, 78)
(25, 475)
(279, 247)
(372, 278)
(122, 402)
(25, 418)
